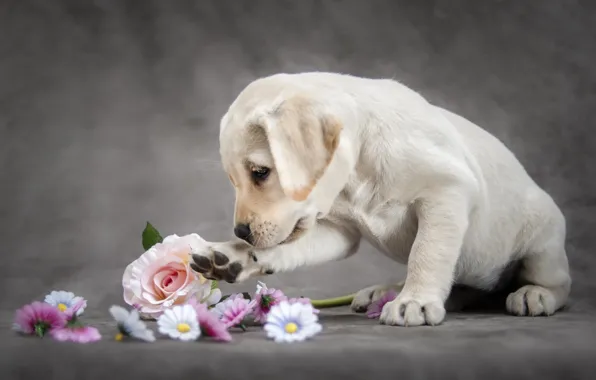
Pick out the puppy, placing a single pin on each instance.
(320, 161)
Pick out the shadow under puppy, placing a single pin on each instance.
(320, 161)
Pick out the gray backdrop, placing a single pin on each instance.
(109, 116)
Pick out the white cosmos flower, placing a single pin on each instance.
(210, 297)
(180, 322)
(64, 300)
(291, 322)
(129, 324)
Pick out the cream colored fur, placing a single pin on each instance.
(426, 187)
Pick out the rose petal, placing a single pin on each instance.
(177, 280)
(170, 239)
(151, 298)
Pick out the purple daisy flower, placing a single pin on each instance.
(265, 299)
(374, 309)
(232, 312)
(38, 318)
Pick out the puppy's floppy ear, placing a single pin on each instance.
(302, 142)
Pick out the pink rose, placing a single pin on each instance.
(162, 277)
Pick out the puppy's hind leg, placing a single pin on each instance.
(545, 271)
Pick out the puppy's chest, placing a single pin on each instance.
(378, 220)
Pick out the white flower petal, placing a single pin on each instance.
(188, 313)
(296, 309)
(281, 338)
(172, 332)
(193, 334)
(261, 286)
(310, 330)
(277, 312)
(168, 318)
(276, 319)
(178, 312)
(57, 297)
(133, 316)
(119, 313)
(219, 309)
(214, 297)
(274, 331)
(273, 328)
(285, 309)
(307, 316)
(144, 334)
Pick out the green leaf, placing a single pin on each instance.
(151, 236)
(213, 285)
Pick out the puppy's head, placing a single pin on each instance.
(275, 153)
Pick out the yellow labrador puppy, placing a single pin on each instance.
(320, 161)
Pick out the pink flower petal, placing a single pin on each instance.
(210, 324)
(72, 311)
(85, 334)
(236, 310)
(374, 309)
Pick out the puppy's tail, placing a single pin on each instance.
(333, 302)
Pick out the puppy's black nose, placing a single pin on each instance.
(242, 231)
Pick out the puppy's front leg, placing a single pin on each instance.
(236, 261)
(442, 225)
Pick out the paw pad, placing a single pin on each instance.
(217, 268)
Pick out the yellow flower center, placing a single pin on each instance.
(183, 327)
(291, 328)
(62, 307)
(119, 337)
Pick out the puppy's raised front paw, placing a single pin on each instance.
(408, 310)
(230, 262)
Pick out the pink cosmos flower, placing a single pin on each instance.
(77, 334)
(72, 312)
(162, 277)
(266, 298)
(38, 318)
(374, 309)
(209, 323)
(233, 310)
(304, 301)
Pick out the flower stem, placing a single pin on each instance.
(333, 302)
(242, 327)
(40, 329)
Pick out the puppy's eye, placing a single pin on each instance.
(260, 174)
